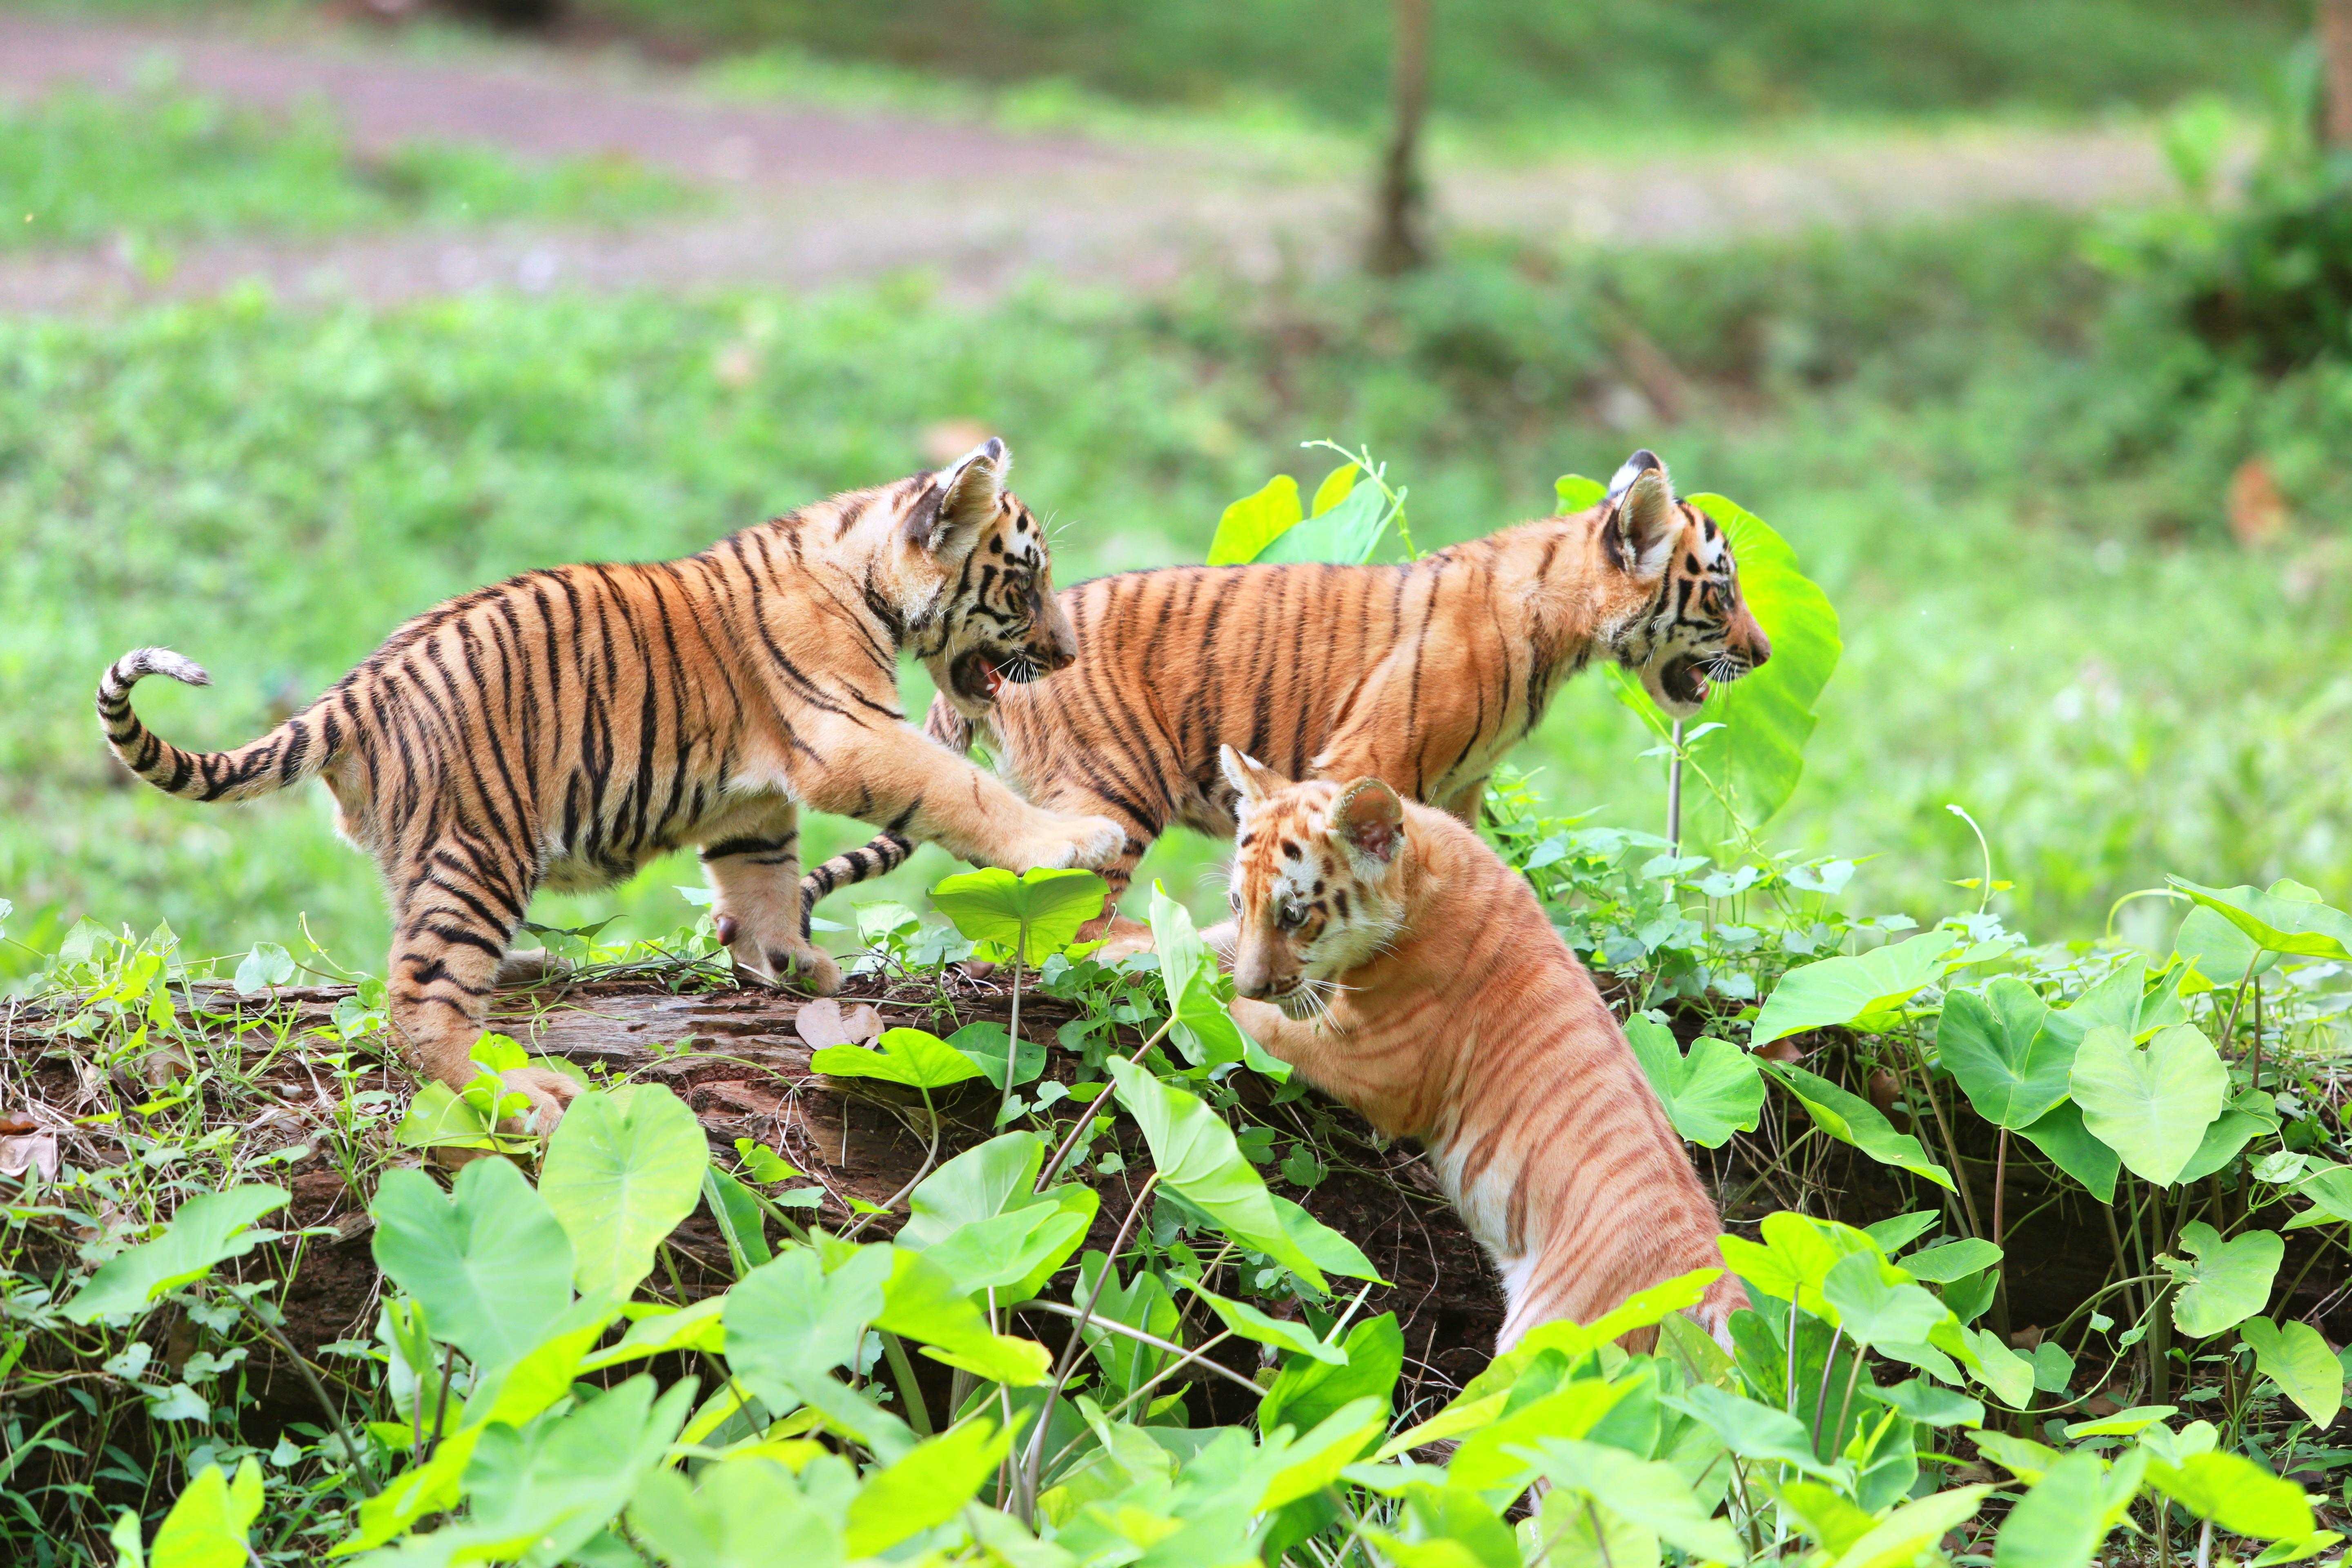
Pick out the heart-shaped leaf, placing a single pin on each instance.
(914, 1057)
(621, 1173)
(2150, 1104)
(2062, 1135)
(267, 966)
(1345, 534)
(824, 1022)
(1850, 1119)
(489, 1262)
(2280, 920)
(1254, 521)
(2296, 1359)
(1034, 914)
(1843, 989)
(2235, 1494)
(208, 1229)
(929, 1487)
(2228, 1282)
(2010, 1054)
(1708, 1095)
(2058, 1523)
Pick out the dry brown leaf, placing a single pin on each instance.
(2026, 1338)
(1885, 1089)
(36, 1151)
(1782, 1050)
(2258, 512)
(824, 1022)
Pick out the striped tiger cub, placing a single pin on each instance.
(1425, 675)
(1385, 951)
(563, 727)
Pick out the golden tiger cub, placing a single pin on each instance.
(563, 727)
(1385, 951)
(1425, 675)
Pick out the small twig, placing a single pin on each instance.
(1033, 1462)
(1085, 1119)
(318, 1391)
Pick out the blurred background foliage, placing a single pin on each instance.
(2078, 485)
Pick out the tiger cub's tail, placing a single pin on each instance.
(287, 755)
(885, 852)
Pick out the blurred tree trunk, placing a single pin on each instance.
(2336, 63)
(1397, 244)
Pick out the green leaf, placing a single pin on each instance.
(2058, 1523)
(1848, 989)
(927, 1488)
(2330, 1192)
(267, 966)
(1951, 1260)
(1493, 1458)
(548, 1488)
(1892, 1319)
(1311, 1461)
(1650, 1493)
(2228, 1282)
(2070, 1145)
(2124, 1000)
(1254, 521)
(2221, 953)
(1326, 1247)
(915, 1057)
(1576, 493)
(1004, 1252)
(1919, 1400)
(964, 1214)
(1709, 1094)
(2151, 1105)
(207, 1526)
(2277, 923)
(987, 1044)
(789, 1321)
(1334, 488)
(619, 1177)
(490, 1263)
(740, 1513)
(1205, 1030)
(2296, 1359)
(2235, 1494)
(208, 1229)
(1758, 754)
(2251, 1114)
(1795, 1256)
(996, 905)
(1281, 1333)
(2009, 1053)
(1902, 1535)
(1197, 1157)
(1850, 1119)
(921, 1300)
(1754, 1431)
(1304, 1393)
(1893, 1234)
(1346, 535)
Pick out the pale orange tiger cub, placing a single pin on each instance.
(1425, 675)
(1384, 951)
(563, 727)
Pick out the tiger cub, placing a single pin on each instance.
(1425, 675)
(1385, 951)
(561, 729)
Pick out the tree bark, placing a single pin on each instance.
(1400, 207)
(2335, 67)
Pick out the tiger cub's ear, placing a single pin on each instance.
(1642, 530)
(1368, 821)
(1252, 780)
(961, 498)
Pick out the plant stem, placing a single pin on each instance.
(1033, 1462)
(319, 1391)
(1675, 796)
(902, 1372)
(930, 1157)
(1822, 1394)
(1086, 1118)
(1013, 1043)
(1951, 1148)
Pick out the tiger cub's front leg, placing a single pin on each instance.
(754, 868)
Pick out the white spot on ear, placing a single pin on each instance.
(1633, 468)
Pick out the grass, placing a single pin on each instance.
(2045, 619)
(79, 167)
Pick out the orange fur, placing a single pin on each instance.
(1425, 675)
(1384, 951)
(563, 727)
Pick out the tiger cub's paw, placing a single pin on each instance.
(1121, 939)
(1089, 843)
(789, 962)
(548, 1092)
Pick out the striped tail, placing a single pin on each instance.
(885, 852)
(287, 755)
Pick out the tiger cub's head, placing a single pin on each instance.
(1315, 888)
(1693, 627)
(989, 616)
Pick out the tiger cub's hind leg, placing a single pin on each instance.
(755, 870)
(449, 939)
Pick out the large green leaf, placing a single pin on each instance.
(914, 1057)
(1754, 1431)
(996, 905)
(1306, 1393)
(2228, 1282)
(789, 1321)
(490, 1263)
(1850, 1119)
(1902, 1536)
(1650, 1493)
(2296, 1359)
(1254, 521)
(976, 1218)
(1710, 1094)
(209, 1526)
(2235, 1494)
(2330, 1192)
(548, 1488)
(2124, 1000)
(2221, 953)
(2252, 1113)
(1891, 1318)
(2058, 1523)
(740, 1513)
(1345, 535)
(1194, 1150)
(1205, 1031)
(1282, 1333)
(927, 1488)
(2070, 1146)
(208, 1229)
(621, 1173)
(1766, 715)
(923, 1302)
(2279, 920)
(1850, 989)
(2150, 1104)
(2009, 1053)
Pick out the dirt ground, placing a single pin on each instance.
(810, 195)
